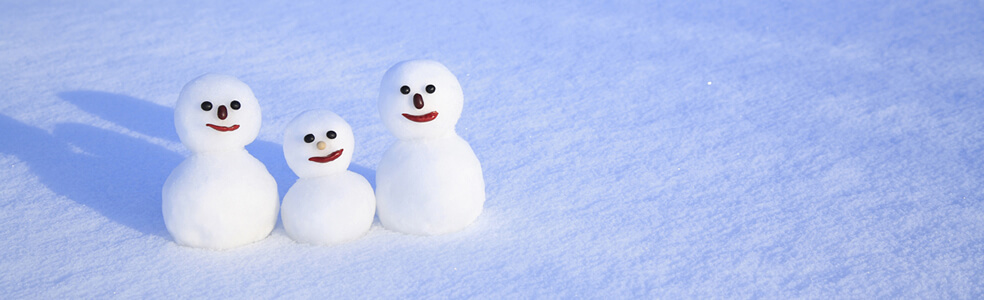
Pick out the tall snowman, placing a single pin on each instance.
(429, 182)
(221, 196)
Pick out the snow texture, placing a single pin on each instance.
(631, 149)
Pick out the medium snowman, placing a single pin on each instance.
(430, 181)
(328, 204)
(221, 196)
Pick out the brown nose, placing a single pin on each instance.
(418, 101)
(223, 113)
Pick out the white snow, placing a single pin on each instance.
(837, 154)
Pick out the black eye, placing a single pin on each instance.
(405, 90)
(309, 138)
(235, 104)
(331, 134)
(430, 88)
(206, 106)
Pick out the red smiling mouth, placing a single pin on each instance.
(223, 128)
(328, 158)
(422, 118)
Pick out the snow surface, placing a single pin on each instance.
(706, 149)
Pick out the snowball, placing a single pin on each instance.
(429, 186)
(439, 94)
(317, 124)
(329, 209)
(430, 181)
(221, 196)
(220, 200)
(203, 129)
(328, 204)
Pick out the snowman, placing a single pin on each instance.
(328, 203)
(429, 182)
(221, 196)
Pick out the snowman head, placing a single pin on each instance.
(318, 143)
(216, 113)
(420, 99)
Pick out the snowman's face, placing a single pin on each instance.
(216, 113)
(318, 143)
(420, 99)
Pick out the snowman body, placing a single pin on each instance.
(209, 205)
(220, 197)
(329, 209)
(429, 186)
(328, 204)
(430, 181)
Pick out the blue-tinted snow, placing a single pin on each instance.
(698, 149)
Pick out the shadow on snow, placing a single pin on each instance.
(117, 175)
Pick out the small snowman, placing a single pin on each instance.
(328, 204)
(429, 182)
(221, 196)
